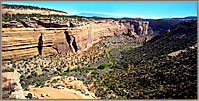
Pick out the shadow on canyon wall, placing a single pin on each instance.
(71, 41)
(40, 45)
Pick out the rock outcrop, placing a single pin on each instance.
(11, 82)
(19, 44)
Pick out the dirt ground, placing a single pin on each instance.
(59, 93)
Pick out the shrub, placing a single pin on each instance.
(88, 68)
(70, 87)
(78, 68)
(21, 76)
(11, 69)
(34, 73)
(111, 63)
(26, 89)
(29, 76)
(38, 83)
(55, 72)
(107, 54)
(64, 73)
(28, 70)
(102, 66)
(29, 96)
(44, 69)
(94, 72)
(68, 70)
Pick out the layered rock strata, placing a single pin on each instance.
(23, 44)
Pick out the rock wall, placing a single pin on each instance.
(85, 37)
(23, 44)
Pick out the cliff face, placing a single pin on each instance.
(22, 44)
(82, 39)
(137, 27)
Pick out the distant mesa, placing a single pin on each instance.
(148, 19)
(22, 9)
(188, 18)
(95, 15)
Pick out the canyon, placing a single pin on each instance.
(20, 43)
(50, 54)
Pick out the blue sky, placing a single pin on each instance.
(122, 9)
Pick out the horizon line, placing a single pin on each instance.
(108, 15)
